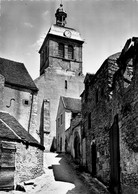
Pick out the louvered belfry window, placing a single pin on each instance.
(70, 52)
(61, 50)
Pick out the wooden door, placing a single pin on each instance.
(115, 157)
(94, 157)
(7, 165)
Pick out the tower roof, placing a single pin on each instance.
(61, 31)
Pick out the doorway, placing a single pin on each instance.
(94, 157)
(115, 157)
(77, 146)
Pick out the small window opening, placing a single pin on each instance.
(66, 84)
(26, 102)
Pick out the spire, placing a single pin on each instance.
(60, 16)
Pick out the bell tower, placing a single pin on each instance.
(60, 74)
(62, 47)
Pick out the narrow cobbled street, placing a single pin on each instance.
(60, 177)
(64, 172)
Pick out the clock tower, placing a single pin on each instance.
(62, 47)
(60, 75)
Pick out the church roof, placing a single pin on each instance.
(11, 129)
(72, 104)
(16, 74)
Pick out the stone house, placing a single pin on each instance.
(60, 75)
(109, 116)
(84, 108)
(17, 91)
(73, 138)
(21, 156)
(68, 109)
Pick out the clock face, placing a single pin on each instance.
(67, 33)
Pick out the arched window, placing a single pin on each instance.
(70, 52)
(61, 50)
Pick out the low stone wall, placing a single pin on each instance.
(28, 162)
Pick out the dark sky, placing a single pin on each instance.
(105, 25)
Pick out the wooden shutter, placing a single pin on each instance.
(7, 165)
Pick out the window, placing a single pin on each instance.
(25, 102)
(89, 120)
(66, 84)
(61, 119)
(70, 52)
(61, 50)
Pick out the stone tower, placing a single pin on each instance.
(60, 75)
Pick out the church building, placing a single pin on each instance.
(60, 75)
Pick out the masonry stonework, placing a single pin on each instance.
(51, 86)
(14, 103)
(28, 162)
(109, 110)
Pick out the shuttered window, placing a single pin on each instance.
(61, 50)
(7, 165)
(70, 52)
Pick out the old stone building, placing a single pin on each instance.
(109, 111)
(67, 110)
(17, 91)
(60, 75)
(21, 156)
(73, 138)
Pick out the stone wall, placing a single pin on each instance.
(60, 127)
(28, 162)
(75, 64)
(18, 103)
(109, 95)
(125, 104)
(51, 86)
